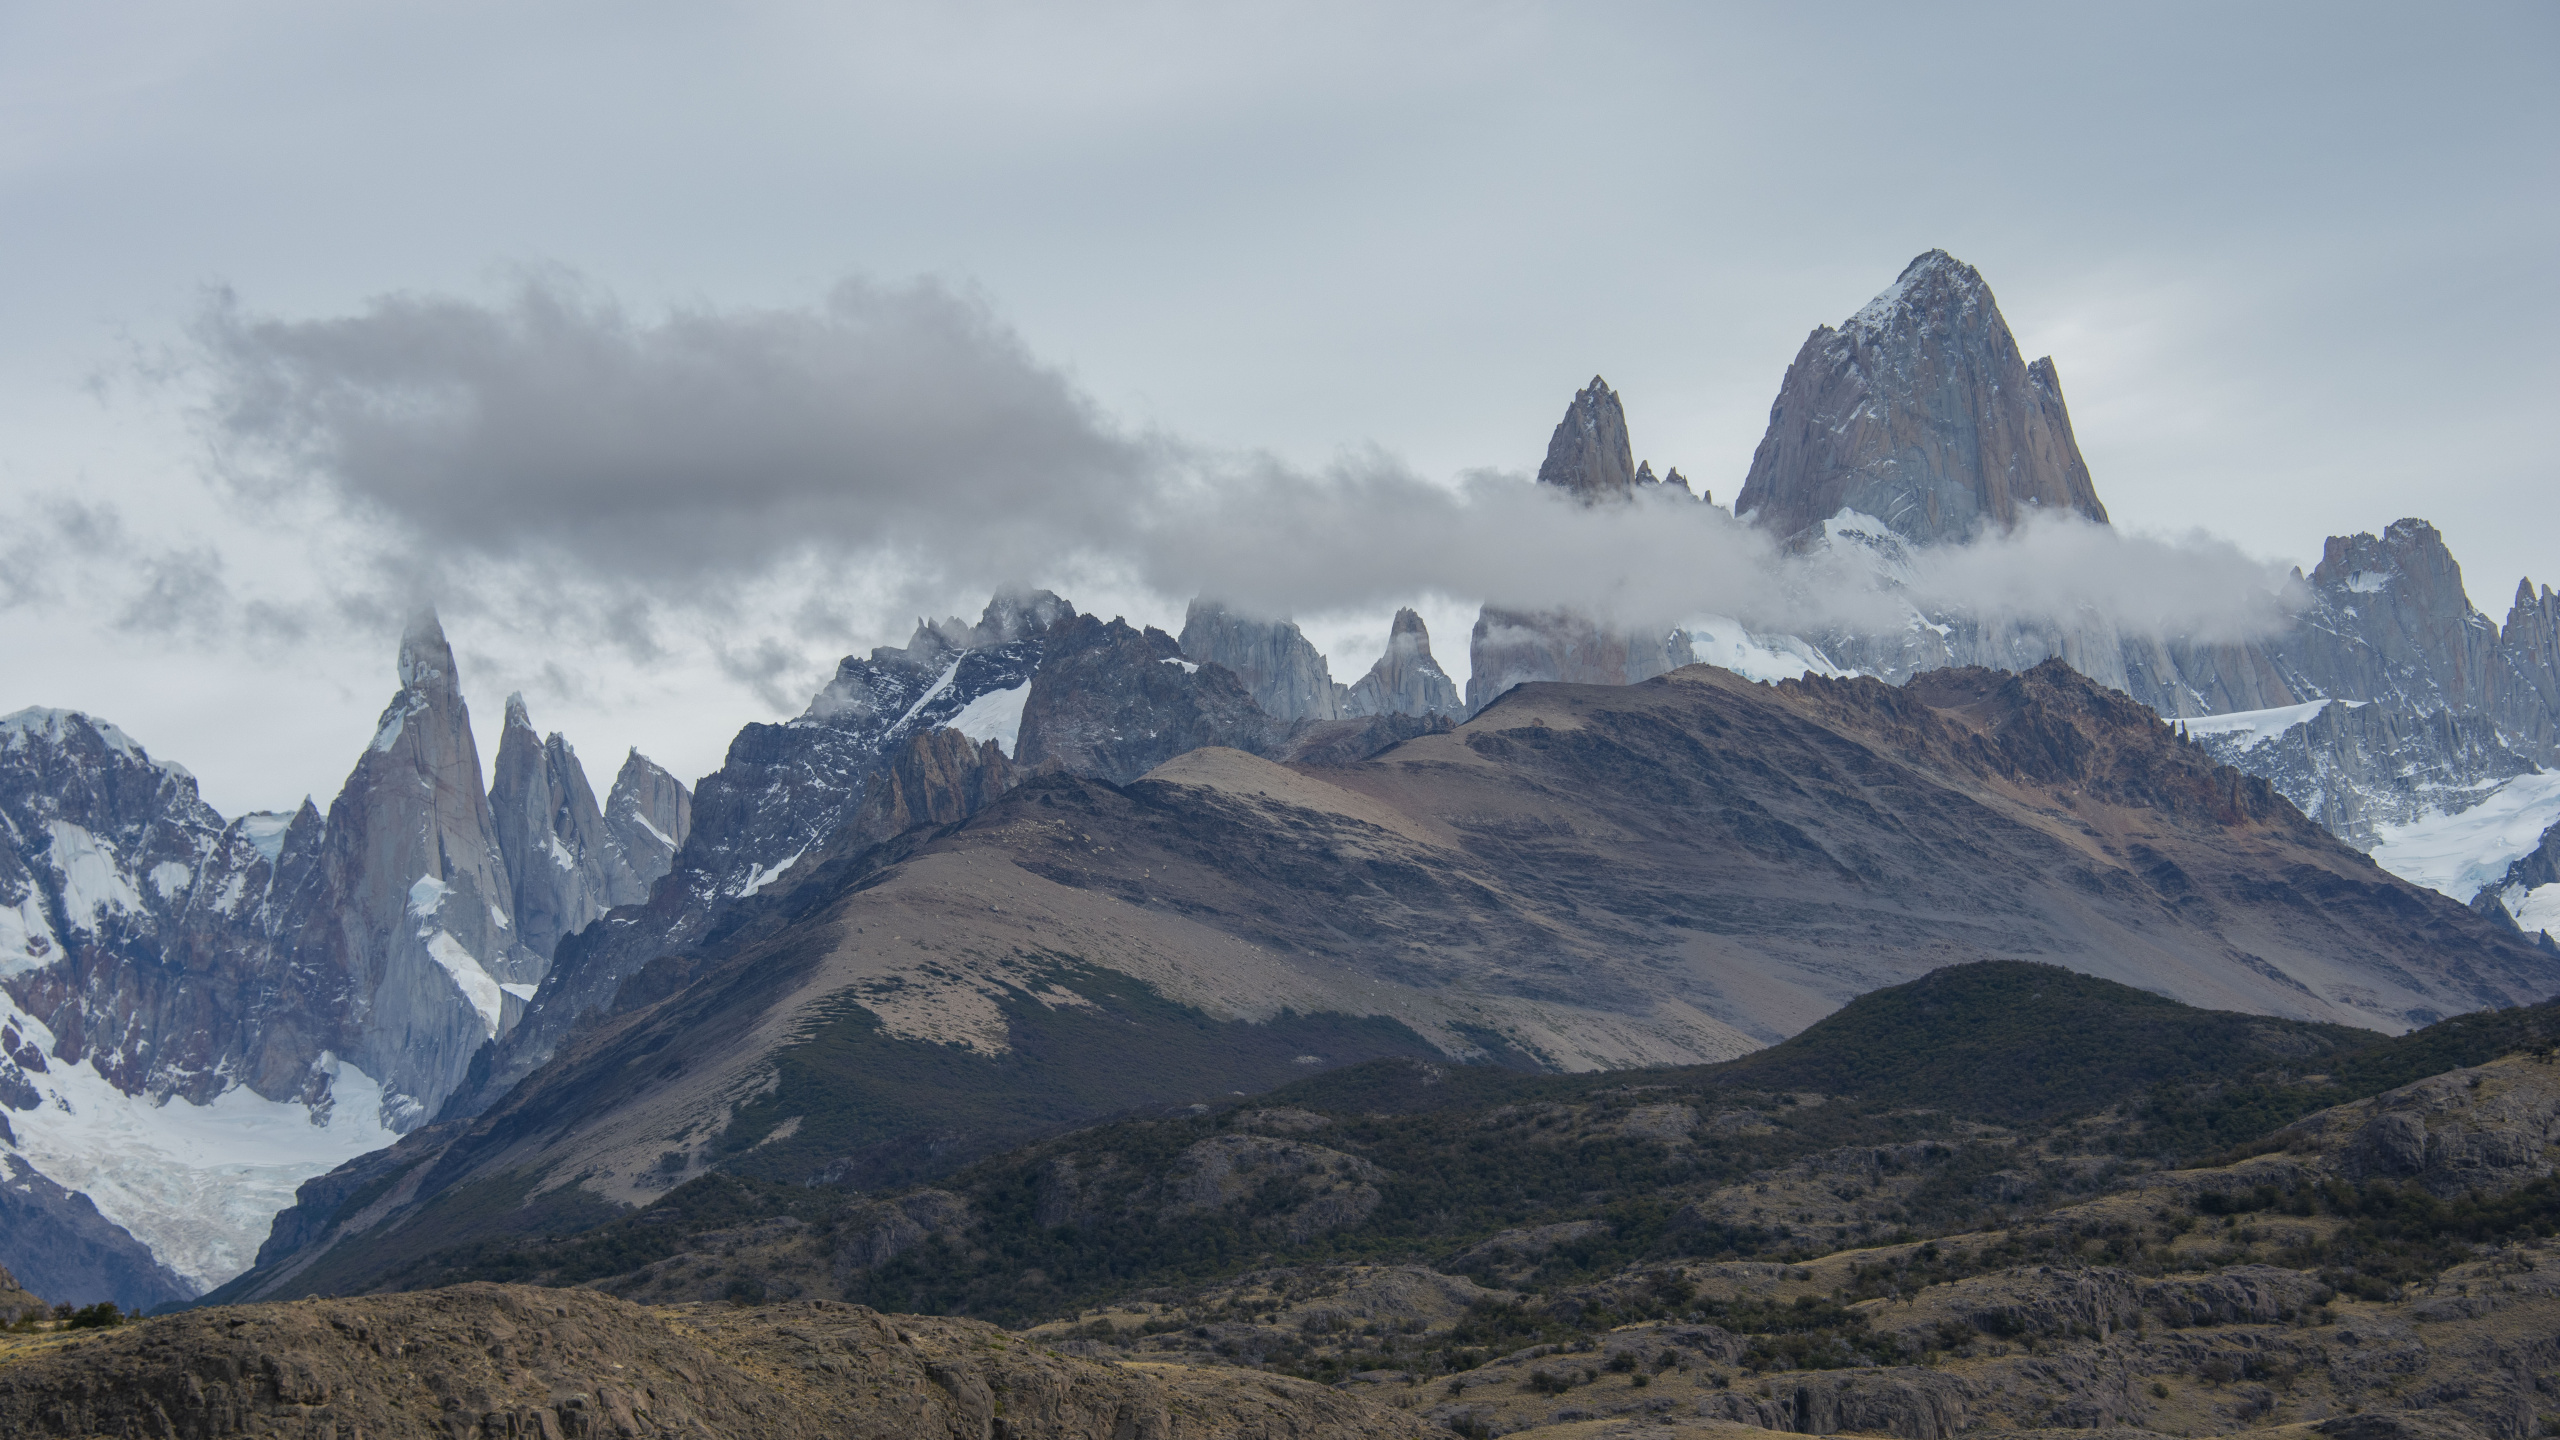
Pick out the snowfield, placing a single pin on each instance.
(199, 1184)
(2459, 854)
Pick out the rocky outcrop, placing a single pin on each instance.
(1286, 676)
(1908, 1403)
(565, 865)
(940, 777)
(1114, 702)
(1920, 411)
(16, 1300)
(1510, 648)
(1405, 680)
(56, 1243)
(649, 812)
(513, 1360)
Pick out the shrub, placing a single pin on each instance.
(101, 1316)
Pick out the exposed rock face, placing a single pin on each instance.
(2389, 621)
(1920, 411)
(1406, 680)
(514, 1360)
(413, 905)
(1511, 648)
(2524, 685)
(139, 928)
(565, 865)
(649, 812)
(1115, 702)
(1589, 455)
(1286, 676)
(57, 1244)
(2355, 768)
(940, 777)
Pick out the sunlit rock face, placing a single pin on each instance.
(1921, 411)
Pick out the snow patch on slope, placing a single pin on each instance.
(1720, 641)
(476, 984)
(760, 877)
(26, 937)
(996, 715)
(199, 1184)
(2461, 853)
(2253, 728)
(92, 881)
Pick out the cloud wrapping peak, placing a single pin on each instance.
(906, 433)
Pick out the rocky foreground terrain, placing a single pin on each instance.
(1909, 1221)
(511, 1360)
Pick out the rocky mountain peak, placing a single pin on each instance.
(1283, 670)
(426, 661)
(1406, 680)
(1919, 410)
(565, 864)
(1589, 454)
(1934, 289)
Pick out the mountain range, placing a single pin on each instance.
(1030, 871)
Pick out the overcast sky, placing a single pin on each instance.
(2295, 265)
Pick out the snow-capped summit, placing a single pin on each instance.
(1919, 410)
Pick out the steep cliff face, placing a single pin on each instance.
(1285, 674)
(650, 812)
(414, 905)
(1590, 456)
(940, 777)
(165, 1048)
(1115, 702)
(135, 924)
(1918, 410)
(2524, 683)
(1406, 680)
(565, 865)
(2388, 620)
(1510, 647)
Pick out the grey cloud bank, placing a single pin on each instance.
(905, 432)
